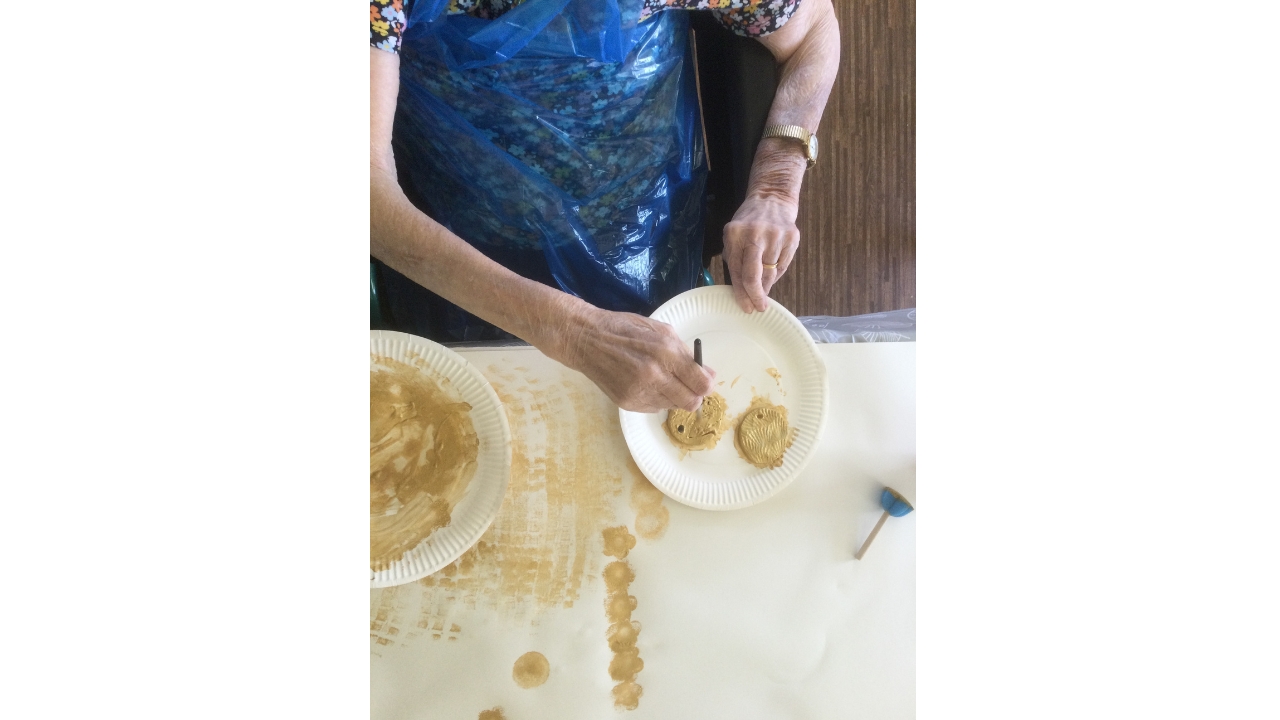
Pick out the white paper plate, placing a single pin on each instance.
(479, 505)
(743, 347)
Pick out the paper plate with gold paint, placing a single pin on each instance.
(766, 422)
(439, 457)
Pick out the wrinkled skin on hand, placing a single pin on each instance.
(762, 231)
(641, 364)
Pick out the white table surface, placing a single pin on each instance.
(754, 613)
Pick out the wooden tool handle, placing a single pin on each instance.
(879, 524)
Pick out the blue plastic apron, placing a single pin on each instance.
(562, 140)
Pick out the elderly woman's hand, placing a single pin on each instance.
(759, 244)
(641, 364)
(763, 232)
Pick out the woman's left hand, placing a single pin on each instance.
(763, 232)
(759, 244)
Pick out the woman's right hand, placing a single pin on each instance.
(641, 364)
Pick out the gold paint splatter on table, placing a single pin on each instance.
(392, 612)
(492, 714)
(567, 465)
(569, 461)
(531, 670)
(623, 632)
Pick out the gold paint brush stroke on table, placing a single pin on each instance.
(568, 461)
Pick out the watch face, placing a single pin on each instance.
(813, 147)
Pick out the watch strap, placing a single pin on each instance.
(794, 132)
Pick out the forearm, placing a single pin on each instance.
(424, 251)
(641, 364)
(808, 73)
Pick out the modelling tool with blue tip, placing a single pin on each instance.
(894, 504)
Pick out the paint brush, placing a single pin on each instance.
(697, 357)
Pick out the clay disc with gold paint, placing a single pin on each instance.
(440, 456)
(761, 359)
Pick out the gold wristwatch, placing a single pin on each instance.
(795, 132)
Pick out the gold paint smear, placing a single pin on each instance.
(422, 456)
(618, 542)
(652, 524)
(735, 381)
(623, 631)
(492, 714)
(700, 430)
(651, 515)
(763, 436)
(567, 460)
(531, 670)
(777, 378)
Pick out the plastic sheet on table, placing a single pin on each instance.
(893, 326)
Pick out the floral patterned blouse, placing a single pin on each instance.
(750, 18)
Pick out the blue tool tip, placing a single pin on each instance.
(894, 504)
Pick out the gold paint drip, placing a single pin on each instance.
(422, 456)
(492, 714)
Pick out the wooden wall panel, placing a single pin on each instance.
(857, 209)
